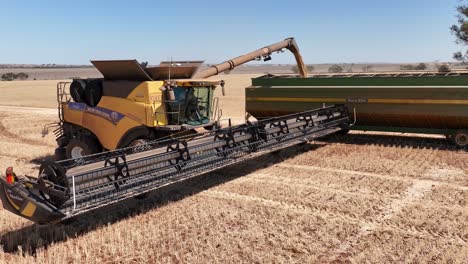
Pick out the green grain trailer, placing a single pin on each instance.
(417, 102)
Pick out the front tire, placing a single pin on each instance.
(80, 147)
(60, 153)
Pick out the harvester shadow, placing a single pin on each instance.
(402, 141)
(32, 238)
(39, 160)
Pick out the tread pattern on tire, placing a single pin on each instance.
(87, 143)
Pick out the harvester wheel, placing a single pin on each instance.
(79, 147)
(139, 145)
(460, 138)
(138, 142)
(60, 153)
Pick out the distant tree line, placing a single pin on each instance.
(335, 68)
(409, 67)
(295, 69)
(10, 76)
(339, 68)
(443, 68)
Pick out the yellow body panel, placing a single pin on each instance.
(29, 209)
(114, 116)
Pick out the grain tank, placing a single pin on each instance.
(416, 102)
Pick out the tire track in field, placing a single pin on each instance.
(370, 174)
(7, 134)
(263, 178)
(367, 226)
(344, 181)
(414, 193)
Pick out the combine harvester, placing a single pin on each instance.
(134, 162)
(133, 105)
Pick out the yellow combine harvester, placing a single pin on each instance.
(133, 104)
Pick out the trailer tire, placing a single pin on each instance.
(83, 146)
(460, 138)
(342, 132)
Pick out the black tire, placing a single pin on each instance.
(83, 146)
(134, 134)
(460, 138)
(77, 90)
(342, 132)
(62, 141)
(139, 145)
(138, 142)
(60, 153)
(93, 92)
(142, 196)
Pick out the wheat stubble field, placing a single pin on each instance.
(358, 198)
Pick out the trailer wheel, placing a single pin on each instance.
(83, 146)
(460, 138)
(342, 132)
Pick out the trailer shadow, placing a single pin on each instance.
(391, 140)
(31, 238)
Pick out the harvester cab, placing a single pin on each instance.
(189, 103)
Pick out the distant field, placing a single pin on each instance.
(29, 93)
(251, 68)
(43, 93)
(353, 199)
(55, 74)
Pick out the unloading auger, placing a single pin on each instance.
(68, 188)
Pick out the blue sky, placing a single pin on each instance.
(73, 32)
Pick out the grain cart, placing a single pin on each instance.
(408, 102)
